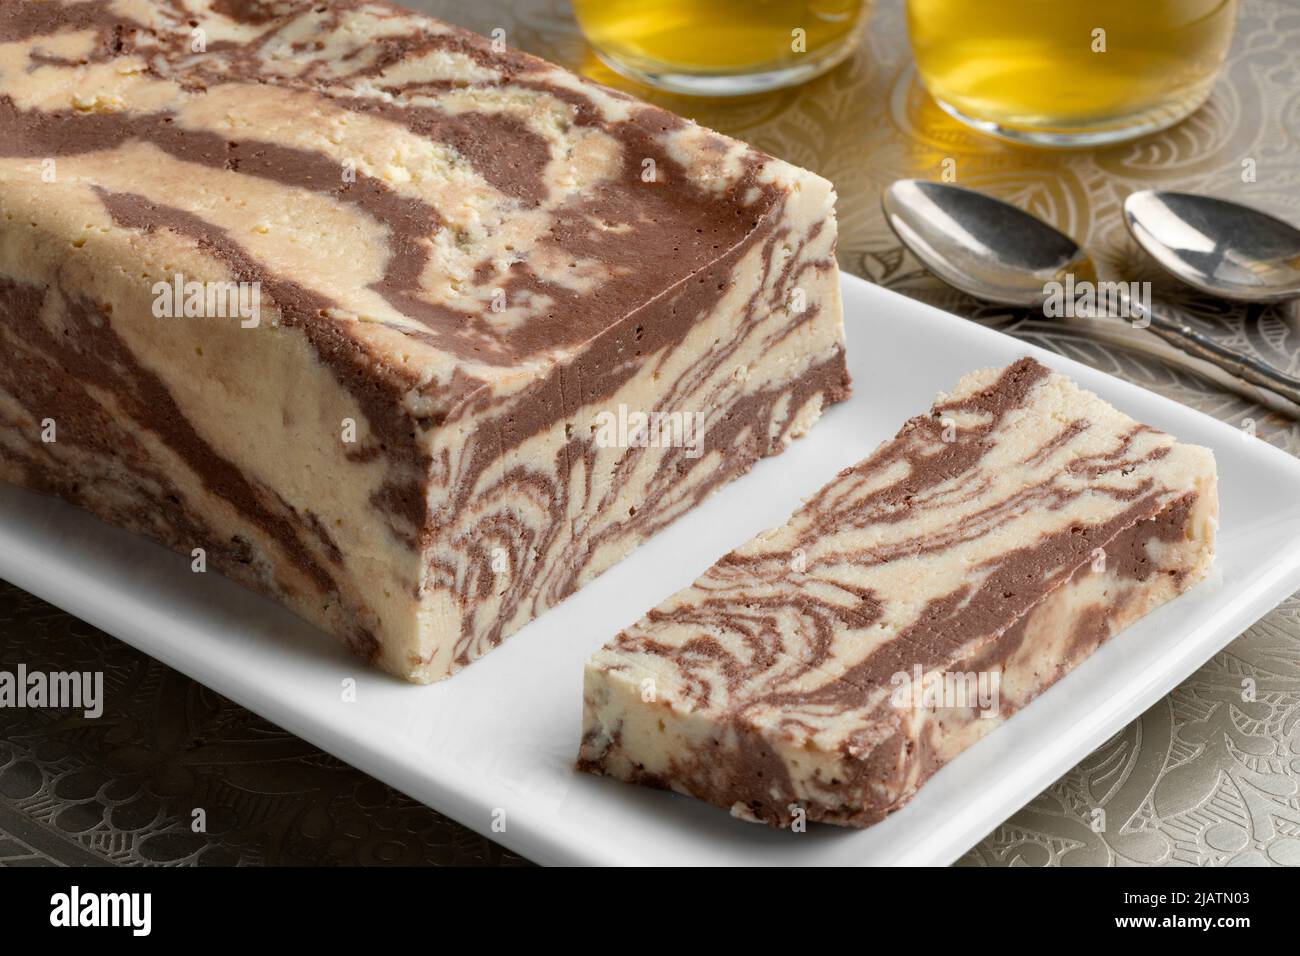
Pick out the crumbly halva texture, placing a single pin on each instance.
(463, 258)
(826, 669)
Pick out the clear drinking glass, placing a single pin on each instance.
(1070, 72)
(722, 47)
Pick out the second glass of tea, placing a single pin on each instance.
(1070, 72)
(722, 47)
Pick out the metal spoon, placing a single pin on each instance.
(1216, 246)
(998, 253)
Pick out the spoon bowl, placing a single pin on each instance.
(986, 248)
(998, 253)
(1219, 247)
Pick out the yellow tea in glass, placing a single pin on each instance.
(1070, 72)
(722, 47)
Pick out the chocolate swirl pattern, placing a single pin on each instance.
(465, 255)
(1004, 535)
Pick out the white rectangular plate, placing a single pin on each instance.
(502, 735)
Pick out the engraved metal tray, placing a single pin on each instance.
(493, 747)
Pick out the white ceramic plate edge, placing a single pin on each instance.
(559, 837)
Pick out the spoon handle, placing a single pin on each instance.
(1239, 364)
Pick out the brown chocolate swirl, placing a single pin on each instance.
(1010, 530)
(465, 255)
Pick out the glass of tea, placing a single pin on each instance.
(722, 47)
(1070, 72)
